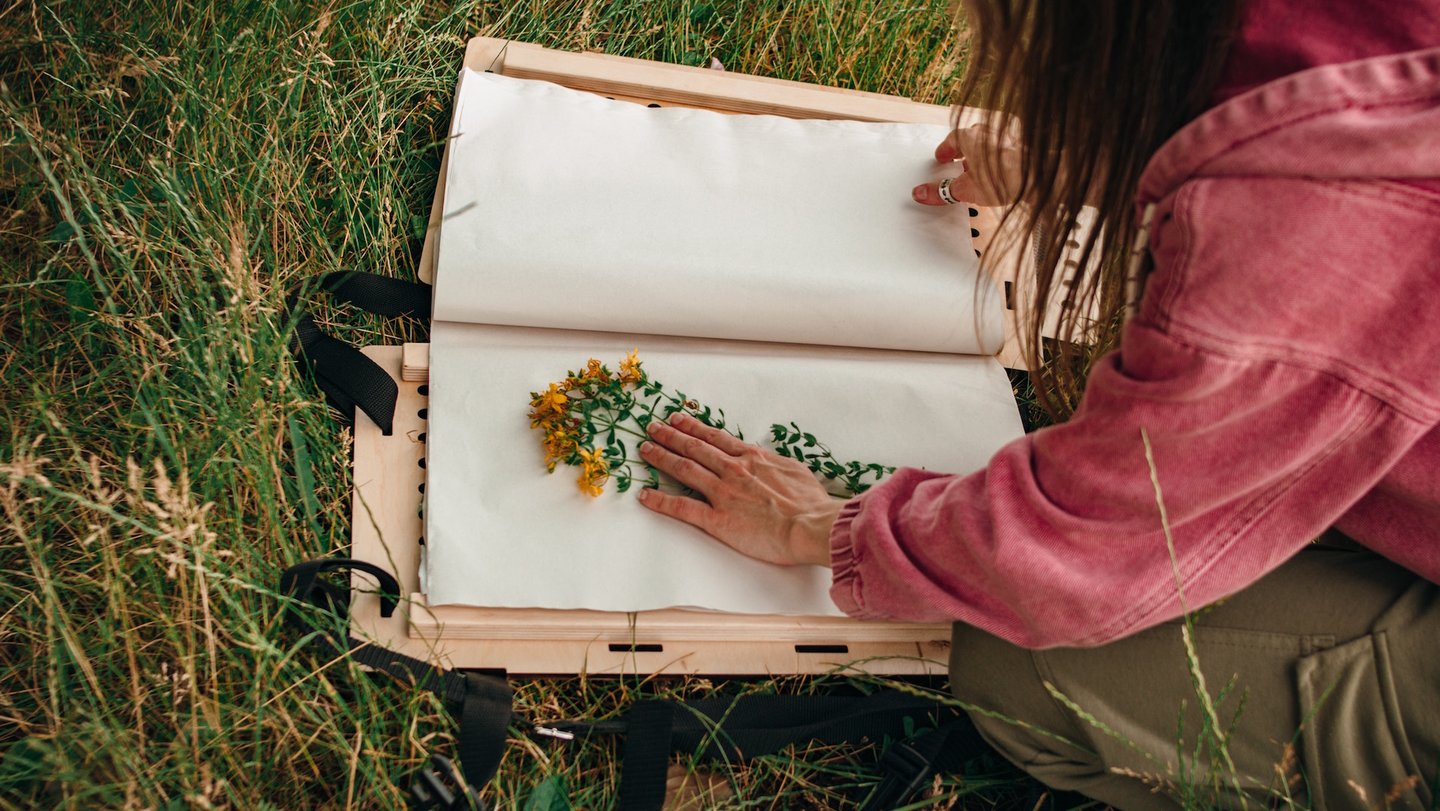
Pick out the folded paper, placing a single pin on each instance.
(775, 268)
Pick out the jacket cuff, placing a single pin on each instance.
(844, 574)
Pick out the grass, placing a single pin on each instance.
(168, 170)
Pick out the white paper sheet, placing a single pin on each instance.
(501, 532)
(794, 243)
(565, 209)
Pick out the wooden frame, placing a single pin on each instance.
(389, 474)
(387, 530)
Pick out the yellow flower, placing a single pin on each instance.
(594, 473)
(553, 401)
(595, 371)
(630, 367)
(559, 442)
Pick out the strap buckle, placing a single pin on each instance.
(441, 786)
(906, 771)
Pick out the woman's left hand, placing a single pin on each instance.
(756, 501)
(988, 161)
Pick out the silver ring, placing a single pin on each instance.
(945, 191)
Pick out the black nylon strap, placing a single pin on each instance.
(485, 714)
(646, 757)
(378, 294)
(909, 764)
(348, 378)
(756, 725)
(482, 703)
(302, 581)
(732, 729)
(449, 684)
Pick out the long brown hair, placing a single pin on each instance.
(1095, 87)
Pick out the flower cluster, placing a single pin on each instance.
(594, 418)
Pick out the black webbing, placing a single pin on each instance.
(909, 764)
(482, 703)
(734, 729)
(348, 378)
(485, 716)
(754, 725)
(646, 757)
(725, 729)
(449, 684)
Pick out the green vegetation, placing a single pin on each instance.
(168, 170)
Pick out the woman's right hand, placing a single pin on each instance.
(989, 168)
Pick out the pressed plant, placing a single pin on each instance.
(594, 419)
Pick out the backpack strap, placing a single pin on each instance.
(733, 729)
(909, 764)
(482, 703)
(348, 378)
(726, 729)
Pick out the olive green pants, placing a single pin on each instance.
(1324, 679)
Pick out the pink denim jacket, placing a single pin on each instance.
(1284, 362)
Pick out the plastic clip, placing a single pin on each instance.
(907, 770)
(440, 786)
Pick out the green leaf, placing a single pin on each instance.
(550, 795)
(62, 232)
(81, 298)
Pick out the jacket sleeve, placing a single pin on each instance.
(1060, 540)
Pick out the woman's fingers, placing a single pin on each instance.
(757, 502)
(962, 190)
(692, 511)
(679, 465)
(987, 168)
(949, 149)
(726, 442)
(690, 444)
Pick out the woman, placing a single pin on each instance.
(1272, 388)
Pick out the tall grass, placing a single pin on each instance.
(167, 171)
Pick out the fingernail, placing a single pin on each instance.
(945, 152)
(653, 427)
(646, 448)
(645, 493)
(920, 193)
(678, 417)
